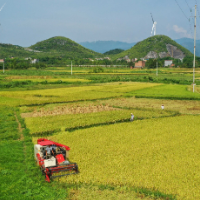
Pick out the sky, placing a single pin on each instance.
(26, 22)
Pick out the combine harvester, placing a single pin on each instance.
(54, 164)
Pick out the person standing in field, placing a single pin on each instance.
(162, 107)
(132, 117)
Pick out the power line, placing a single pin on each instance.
(188, 5)
(190, 25)
(181, 9)
(197, 8)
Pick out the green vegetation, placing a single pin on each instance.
(8, 124)
(19, 176)
(167, 92)
(64, 47)
(55, 50)
(9, 50)
(90, 111)
(114, 51)
(63, 51)
(156, 43)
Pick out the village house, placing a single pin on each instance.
(140, 64)
(34, 61)
(168, 63)
(106, 58)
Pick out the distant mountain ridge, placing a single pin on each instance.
(104, 46)
(64, 47)
(188, 43)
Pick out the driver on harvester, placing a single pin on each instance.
(49, 152)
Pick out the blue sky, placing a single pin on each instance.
(25, 22)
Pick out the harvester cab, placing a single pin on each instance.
(54, 163)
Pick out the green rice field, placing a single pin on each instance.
(153, 157)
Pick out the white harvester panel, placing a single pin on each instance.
(37, 150)
(51, 162)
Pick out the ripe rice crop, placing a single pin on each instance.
(74, 93)
(51, 80)
(157, 153)
(28, 77)
(40, 125)
(182, 106)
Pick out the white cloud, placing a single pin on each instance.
(181, 31)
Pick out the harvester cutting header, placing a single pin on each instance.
(52, 157)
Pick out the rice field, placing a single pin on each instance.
(45, 124)
(179, 92)
(156, 156)
(45, 78)
(154, 153)
(78, 93)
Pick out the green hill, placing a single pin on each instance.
(64, 47)
(159, 44)
(9, 50)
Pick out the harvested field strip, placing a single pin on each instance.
(68, 110)
(49, 124)
(155, 153)
(181, 106)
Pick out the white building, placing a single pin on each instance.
(34, 61)
(168, 62)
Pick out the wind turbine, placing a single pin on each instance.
(153, 31)
(2, 7)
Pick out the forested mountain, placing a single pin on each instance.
(155, 47)
(64, 47)
(54, 48)
(9, 50)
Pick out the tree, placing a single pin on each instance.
(151, 63)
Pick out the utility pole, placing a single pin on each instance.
(157, 68)
(3, 66)
(71, 67)
(195, 18)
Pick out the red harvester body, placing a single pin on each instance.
(55, 163)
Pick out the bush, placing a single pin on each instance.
(98, 69)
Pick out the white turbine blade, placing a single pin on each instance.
(152, 29)
(155, 28)
(2, 7)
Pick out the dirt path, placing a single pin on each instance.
(19, 128)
